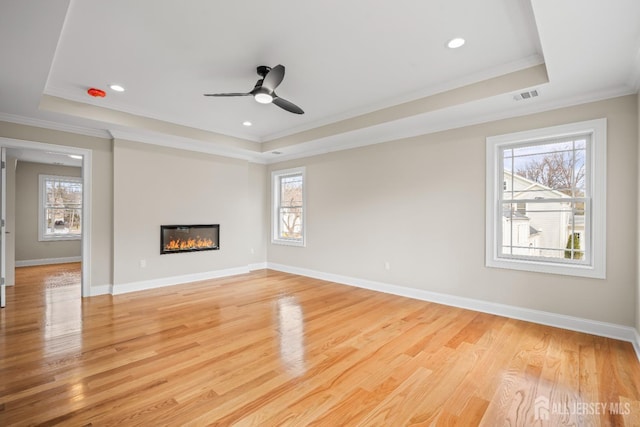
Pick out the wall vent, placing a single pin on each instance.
(526, 95)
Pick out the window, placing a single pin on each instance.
(60, 208)
(288, 207)
(546, 201)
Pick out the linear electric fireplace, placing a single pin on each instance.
(189, 238)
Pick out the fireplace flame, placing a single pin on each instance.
(191, 243)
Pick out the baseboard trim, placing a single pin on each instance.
(594, 327)
(95, 291)
(636, 344)
(176, 280)
(47, 261)
(257, 266)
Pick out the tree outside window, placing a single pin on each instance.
(60, 207)
(288, 207)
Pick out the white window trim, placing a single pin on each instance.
(42, 236)
(597, 158)
(275, 202)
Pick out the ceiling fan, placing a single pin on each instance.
(264, 90)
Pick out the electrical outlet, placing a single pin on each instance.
(387, 265)
(143, 263)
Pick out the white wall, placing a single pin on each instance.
(27, 245)
(156, 185)
(419, 204)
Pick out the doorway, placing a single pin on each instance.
(61, 224)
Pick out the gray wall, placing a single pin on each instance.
(258, 212)
(27, 245)
(156, 185)
(419, 204)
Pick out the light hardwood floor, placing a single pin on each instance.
(269, 348)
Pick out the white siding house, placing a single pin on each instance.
(536, 228)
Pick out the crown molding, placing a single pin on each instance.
(391, 131)
(181, 143)
(402, 113)
(139, 112)
(493, 72)
(511, 67)
(46, 124)
(416, 126)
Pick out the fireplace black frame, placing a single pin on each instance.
(164, 251)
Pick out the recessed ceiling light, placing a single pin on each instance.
(117, 88)
(75, 156)
(247, 123)
(455, 43)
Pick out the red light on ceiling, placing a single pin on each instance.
(96, 93)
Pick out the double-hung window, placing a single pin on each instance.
(546, 201)
(60, 208)
(288, 225)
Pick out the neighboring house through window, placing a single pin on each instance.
(546, 200)
(60, 208)
(288, 225)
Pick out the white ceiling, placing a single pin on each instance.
(364, 71)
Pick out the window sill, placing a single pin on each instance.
(578, 270)
(299, 243)
(59, 238)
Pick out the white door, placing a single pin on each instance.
(3, 210)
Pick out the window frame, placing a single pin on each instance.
(276, 177)
(595, 207)
(42, 226)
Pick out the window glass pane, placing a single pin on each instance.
(62, 207)
(547, 230)
(559, 166)
(289, 225)
(291, 190)
(63, 221)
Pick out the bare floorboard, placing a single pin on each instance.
(272, 349)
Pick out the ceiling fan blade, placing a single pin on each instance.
(287, 105)
(273, 78)
(227, 94)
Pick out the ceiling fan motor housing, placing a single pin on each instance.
(263, 70)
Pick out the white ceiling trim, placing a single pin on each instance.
(86, 99)
(521, 64)
(494, 72)
(114, 119)
(334, 143)
(354, 139)
(182, 143)
(46, 124)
